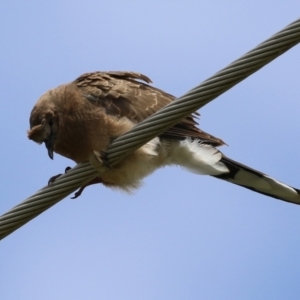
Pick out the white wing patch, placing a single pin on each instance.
(281, 189)
(151, 148)
(264, 184)
(197, 157)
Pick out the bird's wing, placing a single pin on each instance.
(257, 181)
(122, 94)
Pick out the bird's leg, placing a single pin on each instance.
(100, 163)
(53, 178)
(101, 160)
(80, 190)
(93, 181)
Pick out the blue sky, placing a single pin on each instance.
(181, 236)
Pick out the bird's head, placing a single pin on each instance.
(44, 122)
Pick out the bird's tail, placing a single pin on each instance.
(256, 181)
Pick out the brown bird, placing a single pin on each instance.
(80, 119)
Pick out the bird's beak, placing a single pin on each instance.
(49, 146)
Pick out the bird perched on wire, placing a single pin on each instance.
(80, 119)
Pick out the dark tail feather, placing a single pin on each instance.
(256, 181)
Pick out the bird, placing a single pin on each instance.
(80, 119)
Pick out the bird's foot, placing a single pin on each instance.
(100, 161)
(79, 192)
(53, 178)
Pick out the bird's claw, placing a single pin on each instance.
(53, 178)
(105, 160)
(80, 190)
(101, 156)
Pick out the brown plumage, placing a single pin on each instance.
(80, 119)
(94, 102)
(121, 95)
